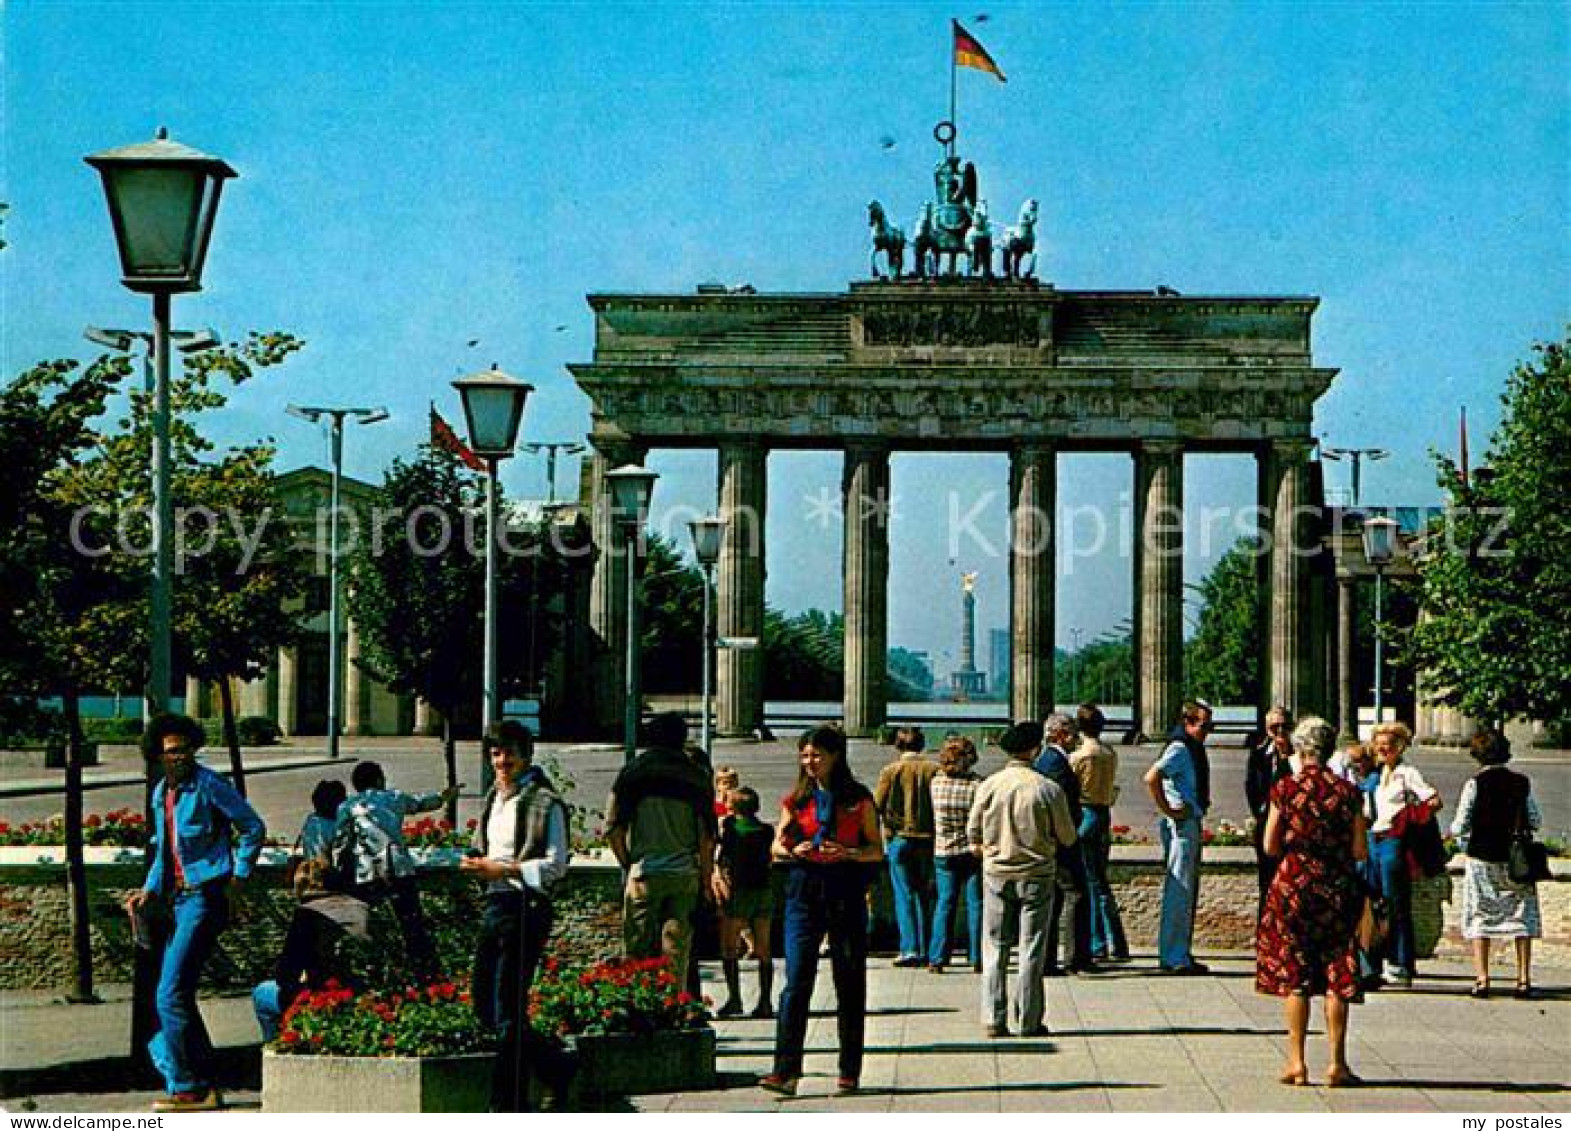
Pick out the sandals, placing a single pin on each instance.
(1343, 1078)
(1295, 1077)
(1480, 990)
(779, 1085)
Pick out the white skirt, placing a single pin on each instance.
(1493, 907)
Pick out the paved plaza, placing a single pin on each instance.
(1127, 1041)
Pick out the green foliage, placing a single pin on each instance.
(910, 677)
(672, 611)
(257, 730)
(1222, 659)
(118, 828)
(433, 1021)
(1495, 585)
(1103, 676)
(120, 732)
(803, 657)
(630, 996)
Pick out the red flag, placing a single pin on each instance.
(1463, 462)
(443, 436)
(970, 53)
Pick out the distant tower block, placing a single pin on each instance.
(967, 682)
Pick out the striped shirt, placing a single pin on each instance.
(952, 797)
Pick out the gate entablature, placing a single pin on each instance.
(955, 362)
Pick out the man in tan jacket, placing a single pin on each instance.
(1018, 821)
(905, 806)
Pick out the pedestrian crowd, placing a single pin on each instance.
(1020, 858)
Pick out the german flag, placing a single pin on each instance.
(970, 53)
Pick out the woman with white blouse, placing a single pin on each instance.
(1400, 785)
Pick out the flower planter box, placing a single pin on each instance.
(293, 1083)
(625, 1064)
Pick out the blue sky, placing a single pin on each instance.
(414, 176)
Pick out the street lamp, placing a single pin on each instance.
(707, 535)
(493, 409)
(163, 198)
(315, 413)
(1379, 548)
(630, 489)
(552, 450)
(124, 341)
(1357, 456)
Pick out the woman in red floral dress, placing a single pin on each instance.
(1304, 947)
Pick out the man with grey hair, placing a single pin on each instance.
(1018, 821)
(1058, 731)
(1180, 786)
(1268, 764)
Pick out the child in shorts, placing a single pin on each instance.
(746, 900)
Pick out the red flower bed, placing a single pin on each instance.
(636, 996)
(436, 1020)
(118, 828)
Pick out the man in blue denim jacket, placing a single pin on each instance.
(195, 871)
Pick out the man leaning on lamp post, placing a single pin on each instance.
(194, 875)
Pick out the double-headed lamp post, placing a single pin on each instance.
(315, 414)
(162, 198)
(493, 409)
(708, 533)
(1379, 548)
(630, 489)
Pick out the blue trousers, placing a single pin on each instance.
(181, 1049)
(819, 900)
(910, 874)
(1390, 871)
(267, 1000)
(959, 877)
(1180, 890)
(1096, 845)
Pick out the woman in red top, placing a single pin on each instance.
(828, 836)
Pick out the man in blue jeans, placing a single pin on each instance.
(905, 807)
(1180, 785)
(195, 873)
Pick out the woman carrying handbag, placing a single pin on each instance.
(1496, 809)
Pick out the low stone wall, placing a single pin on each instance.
(35, 950)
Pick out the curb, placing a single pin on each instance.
(36, 788)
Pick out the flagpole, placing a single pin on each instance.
(953, 69)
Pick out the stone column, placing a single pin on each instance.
(195, 698)
(1346, 661)
(1289, 674)
(353, 711)
(288, 701)
(422, 723)
(1033, 496)
(739, 587)
(1159, 598)
(865, 495)
(608, 592)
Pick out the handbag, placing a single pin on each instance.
(1421, 840)
(1527, 861)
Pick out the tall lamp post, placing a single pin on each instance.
(163, 198)
(493, 409)
(552, 449)
(631, 488)
(1379, 548)
(1357, 456)
(707, 535)
(315, 413)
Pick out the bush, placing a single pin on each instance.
(631, 996)
(119, 828)
(257, 730)
(126, 731)
(435, 1021)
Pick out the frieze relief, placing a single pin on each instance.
(966, 325)
(815, 411)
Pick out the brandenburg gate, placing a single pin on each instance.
(971, 361)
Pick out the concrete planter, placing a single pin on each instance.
(627, 1064)
(376, 1083)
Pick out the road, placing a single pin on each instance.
(283, 797)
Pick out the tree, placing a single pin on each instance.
(417, 592)
(910, 677)
(671, 605)
(1494, 579)
(1221, 659)
(50, 588)
(237, 575)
